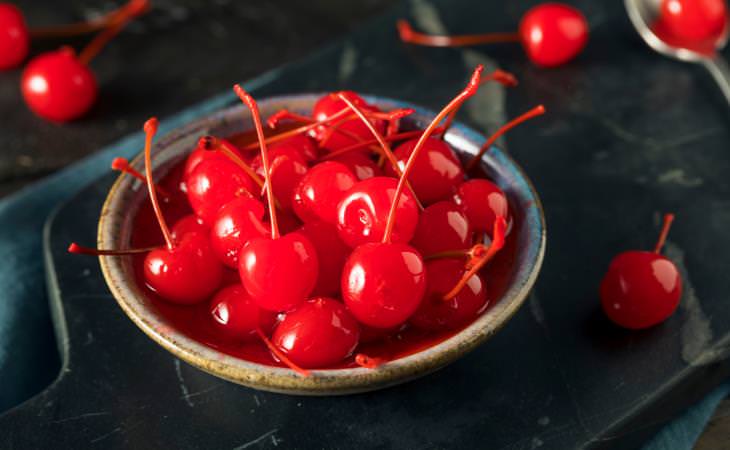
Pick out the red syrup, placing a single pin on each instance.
(194, 321)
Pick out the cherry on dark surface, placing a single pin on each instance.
(694, 21)
(641, 288)
(551, 33)
(185, 271)
(482, 202)
(278, 272)
(437, 314)
(188, 224)
(58, 85)
(436, 173)
(320, 191)
(237, 316)
(236, 223)
(331, 255)
(360, 165)
(318, 333)
(362, 214)
(14, 38)
(442, 226)
(215, 183)
(349, 131)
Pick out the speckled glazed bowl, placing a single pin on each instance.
(115, 229)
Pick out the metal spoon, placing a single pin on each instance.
(643, 14)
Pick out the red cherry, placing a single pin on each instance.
(237, 316)
(58, 87)
(185, 271)
(287, 169)
(319, 333)
(281, 271)
(694, 21)
(553, 33)
(437, 314)
(362, 166)
(442, 227)
(320, 191)
(236, 223)
(188, 224)
(214, 183)
(482, 202)
(202, 153)
(301, 144)
(349, 131)
(14, 39)
(362, 214)
(331, 255)
(383, 284)
(436, 173)
(641, 289)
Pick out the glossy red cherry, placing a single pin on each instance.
(331, 255)
(348, 132)
(437, 314)
(188, 224)
(553, 33)
(436, 173)
(693, 21)
(442, 227)
(185, 271)
(237, 317)
(383, 284)
(14, 39)
(58, 87)
(278, 272)
(482, 202)
(214, 183)
(287, 170)
(360, 165)
(320, 191)
(319, 333)
(204, 152)
(302, 144)
(362, 214)
(236, 223)
(641, 288)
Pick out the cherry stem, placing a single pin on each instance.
(480, 257)
(393, 137)
(534, 112)
(81, 250)
(387, 152)
(668, 219)
(88, 26)
(274, 119)
(468, 91)
(150, 128)
(256, 116)
(94, 47)
(281, 356)
(500, 76)
(368, 362)
(122, 165)
(409, 35)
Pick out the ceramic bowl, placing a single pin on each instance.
(115, 228)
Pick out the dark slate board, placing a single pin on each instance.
(628, 135)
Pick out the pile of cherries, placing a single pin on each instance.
(320, 236)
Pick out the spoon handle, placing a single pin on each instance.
(720, 71)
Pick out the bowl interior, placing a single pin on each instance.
(127, 194)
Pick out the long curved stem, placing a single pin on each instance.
(408, 34)
(279, 354)
(81, 250)
(468, 91)
(150, 128)
(103, 38)
(90, 26)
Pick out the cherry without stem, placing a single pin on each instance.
(236, 223)
(320, 191)
(641, 288)
(237, 317)
(694, 21)
(214, 183)
(482, 202)
(442, 226)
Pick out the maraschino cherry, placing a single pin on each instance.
(206, 150)
(383, 283)
(15, 35)
(694, 21)
(441, 227)
(278, 272)
(287, 167)
(236, 223)
(482, 202)
(331, 254)
(319, 192)
(349, 131)
(236, 316)
(359, 164)
(188, 224)
(318, 333)
(551, 34)
(58, 85)
(642, 288)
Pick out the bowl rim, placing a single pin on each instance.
(323, 381)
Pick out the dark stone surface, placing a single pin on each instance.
(629, 135)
